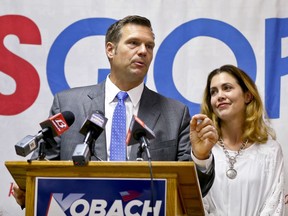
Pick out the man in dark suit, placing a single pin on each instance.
(129, 48)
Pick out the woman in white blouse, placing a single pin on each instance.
(249, 164)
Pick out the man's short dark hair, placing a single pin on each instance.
(114, 31)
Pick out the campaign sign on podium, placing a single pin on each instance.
(101, 196)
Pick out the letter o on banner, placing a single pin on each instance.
(200, 27)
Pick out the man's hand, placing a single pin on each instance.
(19, 195)
(203, 136)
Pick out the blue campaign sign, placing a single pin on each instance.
(99, 196)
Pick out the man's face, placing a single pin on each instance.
(131, 57)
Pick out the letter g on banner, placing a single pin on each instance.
(63, 43)
(163, 74)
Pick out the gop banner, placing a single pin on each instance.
(49, 46)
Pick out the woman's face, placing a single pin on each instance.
(227, 97)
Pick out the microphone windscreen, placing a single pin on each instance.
(69, 117)
(95, 122)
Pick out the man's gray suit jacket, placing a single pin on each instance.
(168, 118)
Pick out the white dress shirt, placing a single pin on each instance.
(132, 106)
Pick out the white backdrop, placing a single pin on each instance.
(29, 78)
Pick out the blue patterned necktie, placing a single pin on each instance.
(118, 131)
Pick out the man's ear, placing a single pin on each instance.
(110, 50)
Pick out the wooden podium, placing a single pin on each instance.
(183, 191)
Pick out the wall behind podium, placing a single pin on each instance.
(55, 45)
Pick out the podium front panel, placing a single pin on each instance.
(99, 196)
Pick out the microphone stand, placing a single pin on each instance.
(144, 144)
(83, 153)
(41, 154)
(47, 142)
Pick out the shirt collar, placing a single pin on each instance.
(112, 90)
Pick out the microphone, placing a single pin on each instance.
(138, 132)
(53, 126)
(91, 128)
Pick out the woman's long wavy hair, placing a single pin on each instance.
(256, 126)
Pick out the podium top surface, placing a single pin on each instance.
(21, 169)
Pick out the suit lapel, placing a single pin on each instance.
(148, 109)
(97, 96)
(149, 113)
